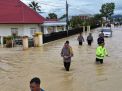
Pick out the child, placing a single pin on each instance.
(101, 52)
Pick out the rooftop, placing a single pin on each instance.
(16, 12)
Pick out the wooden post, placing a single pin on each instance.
(1, 39)
(88, 28)
(38, 39)
(25, 42)
(56, 29)
(112, 26)
(102, 25)
(35, 41)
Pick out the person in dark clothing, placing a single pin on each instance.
(90, 39)
(67, 53)
(67, 65)
(101, 34)
(35, 84)
(100, 40)
(80, 39)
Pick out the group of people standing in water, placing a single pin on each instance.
(89, 39)
(67, 54)
(101, 52)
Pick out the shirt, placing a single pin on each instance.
(90, 38)
(67, 52)
(101, 52)
(80, 38)
(42, 90)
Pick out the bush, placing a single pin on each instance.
(8, 41)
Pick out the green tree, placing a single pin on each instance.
(107, 10)
(35, 6)
(98, 18)
(76, 22)
(52, 16)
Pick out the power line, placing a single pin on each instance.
(11, 3)
(67, 16)
(51, 4)
(69, 7)
(80, 10)
(61, 6)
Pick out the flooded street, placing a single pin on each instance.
(18, 67)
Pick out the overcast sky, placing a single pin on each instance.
(75, 6)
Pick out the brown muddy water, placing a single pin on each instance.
(18, 67)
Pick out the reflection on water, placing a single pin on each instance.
(18, 67)
(100, 70)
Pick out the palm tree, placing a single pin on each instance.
(34, 5)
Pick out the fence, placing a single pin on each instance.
(63, 34)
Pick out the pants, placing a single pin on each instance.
(80, 43)
(89, 43)
(67, 65)
(99, 60)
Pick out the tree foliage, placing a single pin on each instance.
(52, 16)
(107, 9)
(98, 16)
(76, 22)
(35, 6)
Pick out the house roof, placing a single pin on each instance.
(51, 20)
(16, 12)
(54, 23)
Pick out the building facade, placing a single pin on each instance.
(49, 27)
(19, 19)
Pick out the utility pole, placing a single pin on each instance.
(67, 18)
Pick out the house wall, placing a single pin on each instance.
(23, 29)
(26, 29)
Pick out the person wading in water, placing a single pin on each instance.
(101, 52)
(80, 39)
(35, 84)
(67, 54)
(90, 39)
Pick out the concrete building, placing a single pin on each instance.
(17, 18)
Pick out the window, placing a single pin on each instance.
(60, 28)
(32, 31)
(50, 30)
(42, 29)
(14, 31)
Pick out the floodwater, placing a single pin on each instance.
(17, 67)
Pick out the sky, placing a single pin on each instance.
(76, 7)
